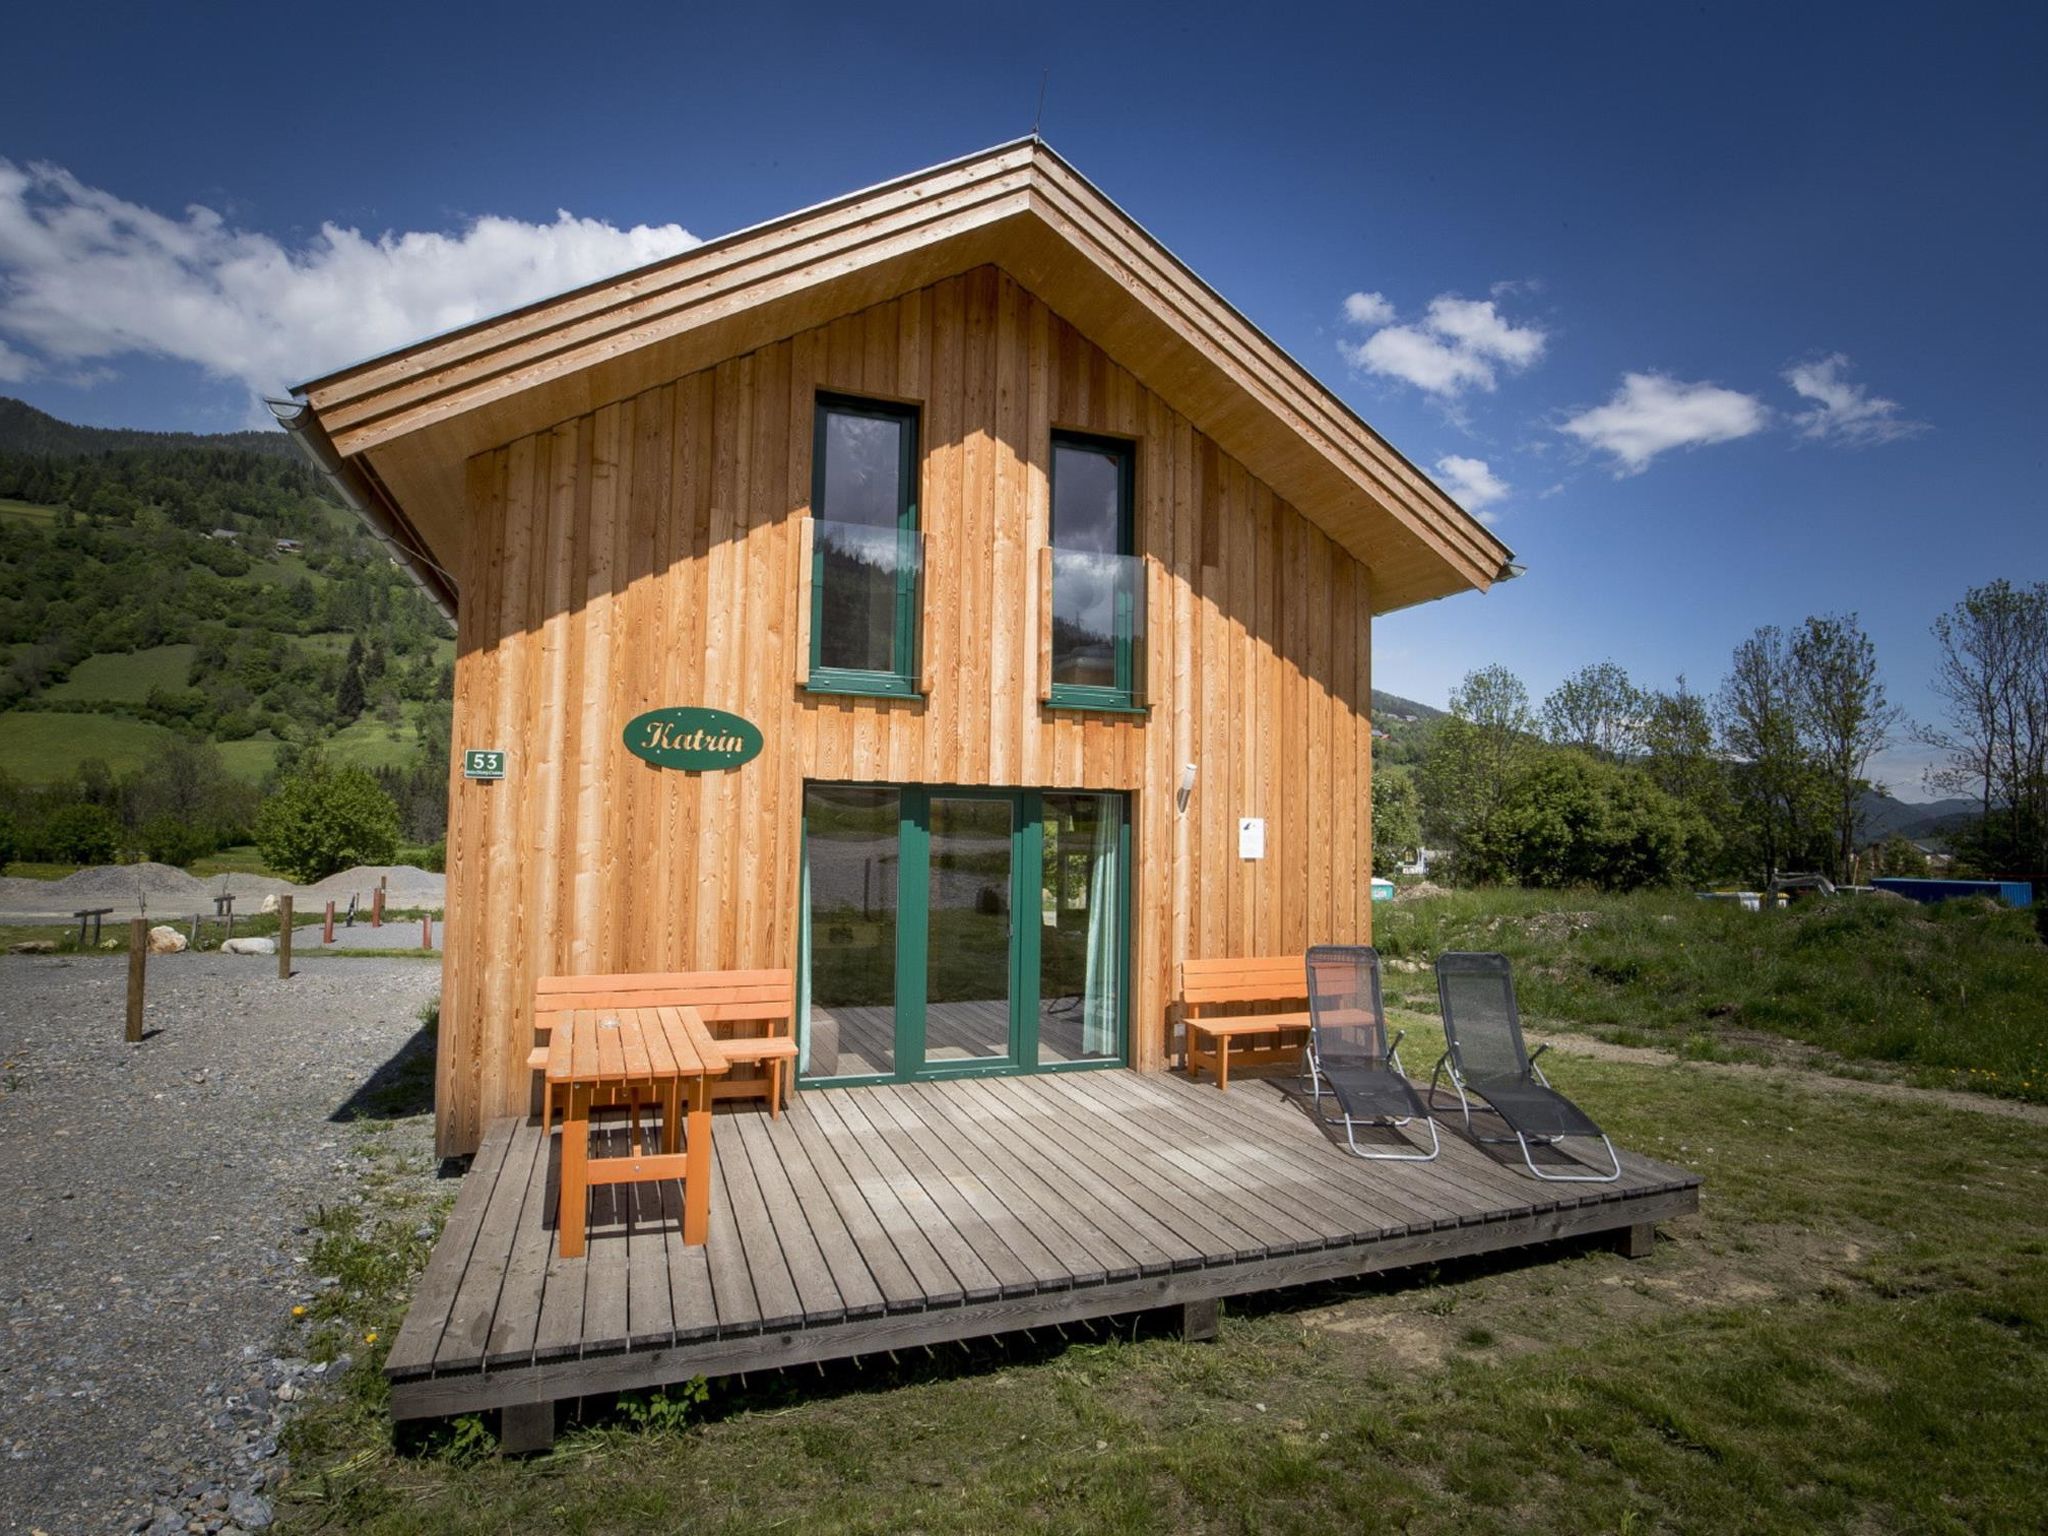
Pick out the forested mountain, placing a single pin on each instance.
(26, 430)
(164, 586)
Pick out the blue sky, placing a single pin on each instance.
(1727, 315)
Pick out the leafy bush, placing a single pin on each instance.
(430, 856)
(80, 834)
(169, 840)
(1574, 820)
(9, 840)
(323, 819)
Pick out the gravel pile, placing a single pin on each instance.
(152, 1224)
(158, 890)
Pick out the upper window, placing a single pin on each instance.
(1098, 589)
(866, 552)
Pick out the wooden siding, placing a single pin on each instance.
(648, 554)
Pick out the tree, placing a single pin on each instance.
(323, 819)
(1842, 710)
(1597, 710)
(1573, 819)
(1774, 782)
(348, 700)
(168, 840)
(81, 833)
(1992, 676)
(1396, 821)
(1473, 757)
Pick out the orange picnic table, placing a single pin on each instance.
(629, 1056)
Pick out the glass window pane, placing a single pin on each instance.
(1081, 930)
(1087, 499)
(863, 478)
(856, 610)
(850, 835)
(1085, 588)
(967, 972)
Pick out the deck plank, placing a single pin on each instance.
(889, 1185)
(419, 1337)
(1162, 1246)
(517, 1323)
(796, 1231)
(774, 1286)
(873, 1218)
(813, 1152)
(1008, 1275)
(1091, 1254)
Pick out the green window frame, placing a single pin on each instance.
(899, 679)
(912, 951)
(1120, 696)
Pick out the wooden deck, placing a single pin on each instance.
(878, 1218)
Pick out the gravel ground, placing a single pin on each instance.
(152, 1237)
(168, 894)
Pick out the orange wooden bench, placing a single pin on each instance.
(752, 1015)
(1218, 1029)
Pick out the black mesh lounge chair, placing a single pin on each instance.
(1485, 1055)
(1348, 1049)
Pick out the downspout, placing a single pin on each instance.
(364, 499)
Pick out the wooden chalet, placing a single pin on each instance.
(945, 596)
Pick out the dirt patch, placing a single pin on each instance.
(1815, 1081)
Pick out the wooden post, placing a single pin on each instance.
(426, 930)
(138, 962)
(1635, 1242)
(524, 1428)
(377, 906)
(1198, 1320)
(327, 934)
(284, 938)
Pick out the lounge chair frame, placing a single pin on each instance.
(1452, 1063)
(1317, 1074)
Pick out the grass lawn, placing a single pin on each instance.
(373, 744)
(241, 859)
(1851, 1335)
(41, 748)
(127, 677)
(1954, 995)
(250, 758)
(26, 511)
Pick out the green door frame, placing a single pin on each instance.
(913, 931)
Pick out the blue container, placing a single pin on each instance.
(2014, 893)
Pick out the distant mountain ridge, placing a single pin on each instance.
(1883, 816)
(24, 429)
(1384, 703)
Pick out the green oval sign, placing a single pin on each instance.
(693, 739)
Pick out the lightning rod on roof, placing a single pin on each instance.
(1039, 117)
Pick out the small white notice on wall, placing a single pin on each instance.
(1251, 837)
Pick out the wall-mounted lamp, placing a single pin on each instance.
(1186, 790)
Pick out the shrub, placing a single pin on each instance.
(169, 840)
(323, 819)
(81, 834)
(1574, 820)
(9, 840)
(430, 856)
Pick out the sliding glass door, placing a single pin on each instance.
(949, 932)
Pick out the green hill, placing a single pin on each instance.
(26, 430)
(162, 585)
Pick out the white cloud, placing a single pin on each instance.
(1458, 344)
(86, 276)
(1653, 412)
(1472, 484)
(1843, 411)
(1368, 309)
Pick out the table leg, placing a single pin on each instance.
(697, 1167)
(671, 1118)
(572, 1212)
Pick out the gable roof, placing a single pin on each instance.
(396, 431)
